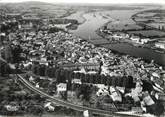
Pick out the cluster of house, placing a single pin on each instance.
(26, 21)
(141, 97)
(120, 36)
(71, 52)
(135, 39)
(160, 44)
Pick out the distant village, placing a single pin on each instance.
(131, 38)
(74, 70)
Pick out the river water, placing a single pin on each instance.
(87, 30)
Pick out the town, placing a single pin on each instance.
(40, 55)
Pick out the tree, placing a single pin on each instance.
(58, 75)
(8, 54)
(90, 78)
(4, 69)
(159, 27)
(62, 76)
(163, 28)
(85, 91)
(63, 95)
(42, 69)
(109, 81)
(16, 51)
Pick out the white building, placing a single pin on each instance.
(135, 39)
(76, 81)
(61, 87)
(12, 108)
(160, 45)
(115, 95)
(102, 91)
(81, 71)
(144, 40)
(49, 106)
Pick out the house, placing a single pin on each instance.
(135, 39)
(27, 64)
(120, 36)
(12, 108)
(102, 91)
(123, 35)
(43, 62)
(31, 79)
(49, 106)
(89, 66)
(101, 86)
(121, 89)
(92, 72)
(2, 34)
(81, 71)
(136, 92)
(86, 113)
(61, 87)
(160, 45)
(115, 94)
(37, 85)
(76, 81)
(116, 36)
(144, 40)
(27, 25)
(29, 21)
(104, 70)
(43, 59)
(154, 74)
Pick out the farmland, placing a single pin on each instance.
(148, 23)
(42, 9)
(116, 26)
(148, 33)
(122, 20)
(157, 25)
(153, 18)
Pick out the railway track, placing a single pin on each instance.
(69, 104)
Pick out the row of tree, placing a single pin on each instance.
(62, 76)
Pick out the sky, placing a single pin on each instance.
(91, 1)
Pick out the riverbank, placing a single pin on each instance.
(78, 15)
(88, 31)
(111, 40)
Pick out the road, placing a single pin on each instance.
(60, 102)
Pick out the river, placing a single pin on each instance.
(87, 30)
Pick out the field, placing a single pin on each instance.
(122, 26)
(156, 25)
(78, 16)
(42, 9)
(148, 33)
(153, 18)
(99, 42)
(145, 14)
(122, 20)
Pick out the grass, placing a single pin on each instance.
(122, 26)
(148, 33)
(156, 25)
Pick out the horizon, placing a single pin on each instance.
(89, 2)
